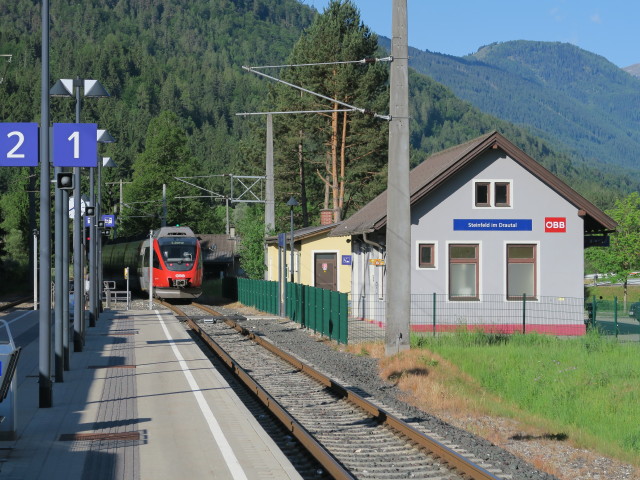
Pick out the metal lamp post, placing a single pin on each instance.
(96, 236)
(292, 203)
(92, 89)
(45, 389)
(94, 255)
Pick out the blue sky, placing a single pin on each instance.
(458, 27)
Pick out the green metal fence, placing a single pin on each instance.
(323, 311)
(613, 317)
(259, 294)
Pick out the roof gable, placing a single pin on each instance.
(440, 167)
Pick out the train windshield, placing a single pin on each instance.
(178, 254)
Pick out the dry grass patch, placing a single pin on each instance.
(434, 385)
(244, 309)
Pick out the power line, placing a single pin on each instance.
(363, 61)
(297, 111)
(344, 104)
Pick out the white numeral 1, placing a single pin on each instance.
(75, 136)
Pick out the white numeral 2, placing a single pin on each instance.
(12, 153)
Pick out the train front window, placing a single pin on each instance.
(178, 254)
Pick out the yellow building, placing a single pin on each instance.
(318, 260)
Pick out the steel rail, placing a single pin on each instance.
(440, 450)
(15, 303)
(323, 456)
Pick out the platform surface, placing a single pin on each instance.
(141, 401)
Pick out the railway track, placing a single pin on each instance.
(348, 435)
(14, 303)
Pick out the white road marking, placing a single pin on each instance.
(227, 452)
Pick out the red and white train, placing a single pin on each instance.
(176, 263)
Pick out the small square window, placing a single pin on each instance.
(426, 252)
(492, 194)
(502, 197)
(482, 194)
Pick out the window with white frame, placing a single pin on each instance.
(464, 272)
(521, 271)
(492, 193)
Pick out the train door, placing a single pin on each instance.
(143, 266)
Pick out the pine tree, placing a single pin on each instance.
(333, 156)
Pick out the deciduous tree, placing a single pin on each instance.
(623, 255)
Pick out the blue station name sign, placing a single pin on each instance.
(518, 224)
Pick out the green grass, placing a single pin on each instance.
(587, 388)
(608, 292)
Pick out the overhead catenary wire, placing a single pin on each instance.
(362, 61)
(302, 89)
(297, 111)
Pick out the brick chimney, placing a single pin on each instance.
(326, 216)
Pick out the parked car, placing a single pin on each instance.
(634, 311)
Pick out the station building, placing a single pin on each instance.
(318, 260)
(491, 230)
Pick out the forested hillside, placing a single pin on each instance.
(566, 95)
(173, 68)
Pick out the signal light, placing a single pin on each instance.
(90, 211)
(64, 181)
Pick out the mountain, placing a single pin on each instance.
(568, 96)
(186, 57)
(633, 69)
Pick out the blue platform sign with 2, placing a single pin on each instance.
(19, 144)
(75, 145)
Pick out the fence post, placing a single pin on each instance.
(344, 319)
(615, 314)
(593, 312)
(434, 314)
(317, 327)
(326, 313)
(301, 305)
(276, 298)
(524, 316)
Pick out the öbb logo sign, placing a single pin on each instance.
(555, 224)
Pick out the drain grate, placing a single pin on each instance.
(72, 437)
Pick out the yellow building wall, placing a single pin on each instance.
(272, 263)
(304, 264)
(324, 244)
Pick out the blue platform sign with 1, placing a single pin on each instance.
(19, 144)
(75, 145)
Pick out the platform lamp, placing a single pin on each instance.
(291, 203)
(94, 266)
(92, 89)
(103, 137)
